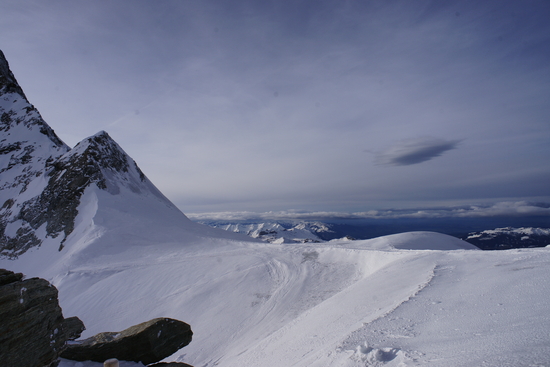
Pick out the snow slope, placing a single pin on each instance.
(413, 299)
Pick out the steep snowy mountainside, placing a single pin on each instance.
(508, 237)
(49, 192)
(28, 147)
(27, 143)
(98, 161)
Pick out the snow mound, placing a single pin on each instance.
(369, 356)
(420, 240)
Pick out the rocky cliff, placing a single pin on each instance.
(33, 331)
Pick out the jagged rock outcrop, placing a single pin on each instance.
(33, 331)
(148, 342)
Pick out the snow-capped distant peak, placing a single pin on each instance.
(508, 237)
(526, 231)
(314, 227)
(275, 232)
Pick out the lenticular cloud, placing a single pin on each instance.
(414, 151)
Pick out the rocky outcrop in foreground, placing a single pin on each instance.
(33, 331)
(148, 342)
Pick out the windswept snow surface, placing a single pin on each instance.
(413, 299)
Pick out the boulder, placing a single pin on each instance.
(33, 331)
(147, 343)
(73, 327)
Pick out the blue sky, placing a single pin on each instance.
(337, 106)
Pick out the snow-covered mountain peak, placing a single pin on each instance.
(27, 143)
(100, 160)
(42, 180)
(16, 110)
(314, 227)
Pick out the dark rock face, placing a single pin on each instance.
(147, 343)
(33, 331)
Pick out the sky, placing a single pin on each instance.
(291, 106)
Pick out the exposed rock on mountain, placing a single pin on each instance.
(33, 331)
(147, 342)
(28, 147)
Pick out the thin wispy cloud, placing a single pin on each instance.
(507, 208)
(414, 151)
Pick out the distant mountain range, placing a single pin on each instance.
(508, 238)
(278, 232)
(306, 231)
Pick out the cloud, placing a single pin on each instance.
(212, 135)
(414, 151)
(506, 208)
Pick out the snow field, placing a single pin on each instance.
(413, 299)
